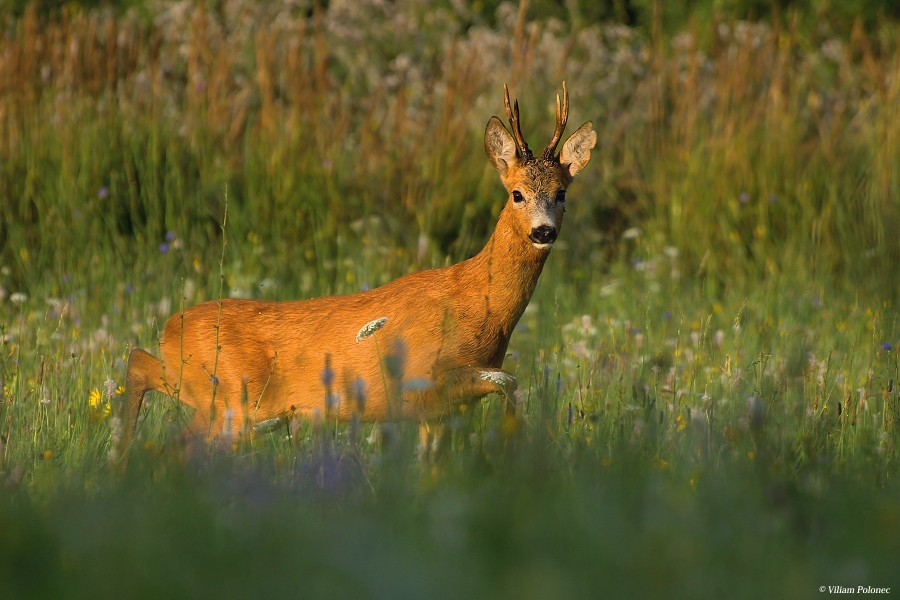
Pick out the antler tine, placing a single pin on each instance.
(562, 116)
(513, 114)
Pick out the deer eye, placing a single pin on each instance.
(561, 196)
(517, 196)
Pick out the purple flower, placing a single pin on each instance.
(744, 198)
(365, 287)
(129, 289)
(103, 192)
(170, 235)
(667, 316)
(359, 390)
(327, 375)
(887, 346)
(816, 302)
(164, 247)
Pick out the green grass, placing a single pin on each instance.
(709, 366)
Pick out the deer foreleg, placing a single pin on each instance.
(468, 383)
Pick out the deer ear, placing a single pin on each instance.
(576, 152)
(499, 146)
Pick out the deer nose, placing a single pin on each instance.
(545, 234)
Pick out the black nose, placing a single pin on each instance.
(545, 234)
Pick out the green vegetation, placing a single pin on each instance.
(709, 368)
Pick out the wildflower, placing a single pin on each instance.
(109, 387)
(370, 328)
(94, 398)
(266, 426)
(419, 384)
(359, 392)
(887, 347)
(227, 426)
(164, 247)
(667, 316)
(744, 198)
(103, 192)
(332, 402)
(327, 375)
(18, 298)
(214, 380)
(631, 233)
(396, 360)
(170, 236)
(719, 338)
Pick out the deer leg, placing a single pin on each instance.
(468, 383)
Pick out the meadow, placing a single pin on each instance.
(708, 369)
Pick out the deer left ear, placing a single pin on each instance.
(576, 152)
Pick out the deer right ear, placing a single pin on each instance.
(499, 146)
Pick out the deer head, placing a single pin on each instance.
(537, 185)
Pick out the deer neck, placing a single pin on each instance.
(506, 272)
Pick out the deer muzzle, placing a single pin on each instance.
(543, 235)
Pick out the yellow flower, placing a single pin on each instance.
(94, 399)
(48, 454)
(680, 423)
(120, 390)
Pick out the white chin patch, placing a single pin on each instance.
(542, 246)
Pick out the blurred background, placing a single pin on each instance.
(757, 137)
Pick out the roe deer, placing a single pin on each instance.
(441, 338)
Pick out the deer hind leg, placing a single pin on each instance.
(143, 375)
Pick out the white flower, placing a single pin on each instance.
(18, 298)
(370, 328)
(266, 426)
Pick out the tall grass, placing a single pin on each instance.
(755, 149)
(708, 369)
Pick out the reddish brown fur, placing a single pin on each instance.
(451, 325)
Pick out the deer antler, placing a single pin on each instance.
(513, 115)
(562, 115)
